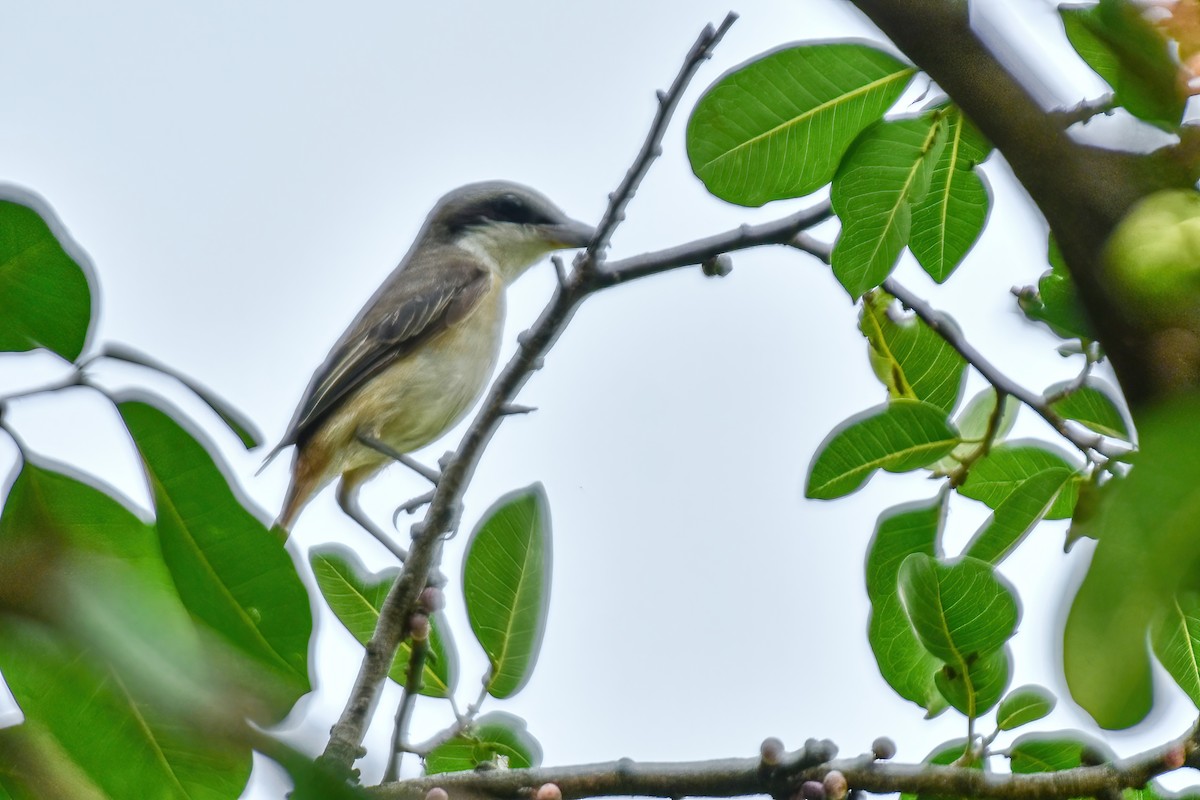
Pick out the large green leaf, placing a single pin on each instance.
(904, 663)
(777, 126)
(949, 220)
(1124, 49)
(1053, 752)
(958, 610)
(908, 357)
(1094, 404)
(1008, 466)
(356, 596)
(1176, 639)
(506, 582)
(492, 737)
(900, 436)
(45, 299)
(1017, 514)
(230, 570)
(1148, 553)
(885, 172)
(1024, 705)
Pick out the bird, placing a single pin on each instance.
(419, 354)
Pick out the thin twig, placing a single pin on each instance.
(652, 146)
(461, 723)
(412, 687)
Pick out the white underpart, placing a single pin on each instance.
(506, 247)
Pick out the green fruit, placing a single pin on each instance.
(1153, 256)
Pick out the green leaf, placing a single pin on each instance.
(1148, 553)
(493, 736)
(973, 422)
(885, 172)
(236, 421)
(1009, 465)
(356, 596)
(949, 220)
(777, 126)
(1024, 705)
(1056, 302)
(1124, 49)
(45, 297)
(945, 754)
(1093, 405)
(1017, 514)
(1053, 752)
(908, 357)
(1176, 640)
(977, 690)
(506, 581)
(904, 663)
(230, 570)
(900, 436)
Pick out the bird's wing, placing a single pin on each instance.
(413, 307)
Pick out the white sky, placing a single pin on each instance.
(244, 174)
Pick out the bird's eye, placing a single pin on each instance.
(509, 208)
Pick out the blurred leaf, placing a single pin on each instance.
(976, 690)
(901, 436)
(1093, 405)
(908, 357)
(495, 735)
(960, 611)
(356, 596)
(1024, 705)
(1148, 526)
(45, 299)
(948, 221)
(1007, 466)
(1176, 640)
(313, 779)
(1017, 514)
(777, 126)
(236, 421)
(230, 570)
(1124, 49)
(506, 582)
(1056, 302)
(35, 767)
(1052, 752)
(886, 171)
(903, 661)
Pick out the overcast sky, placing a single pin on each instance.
(243, 175)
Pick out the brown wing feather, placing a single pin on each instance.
(410, 308)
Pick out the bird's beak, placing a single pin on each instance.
(569, 234)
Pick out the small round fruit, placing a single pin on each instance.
(1152, 257)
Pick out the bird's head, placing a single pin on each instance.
(508, 225)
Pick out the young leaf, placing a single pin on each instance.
(908, 357)
(1176, 640)
(777, 126)
(506, 581)
(1009, 465)
(949, 220)
(1055, 302)
(230, 570)
(973, 423)
(900, 436)
(1093, 405)
(45, 297)
(904, 663)
(883, 175)
(355, 597)
(976, 690)
(1017, 514)
(493, 736)
(959, 611)
(1024, 705)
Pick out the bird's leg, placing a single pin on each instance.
(411, 506)
(347, 499)
(416, 466)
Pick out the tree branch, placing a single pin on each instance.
(750, 776)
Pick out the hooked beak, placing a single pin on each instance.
(569, 234)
